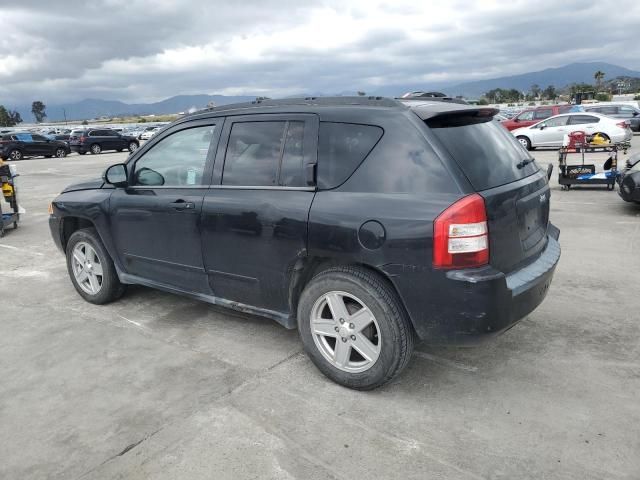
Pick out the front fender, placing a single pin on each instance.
(90, 206)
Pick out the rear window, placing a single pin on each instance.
(341, 149)
(485, 151)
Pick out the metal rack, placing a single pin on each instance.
(585, 173)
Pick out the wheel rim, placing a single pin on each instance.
(523, 142)
(345, 331)
(16, 155)
(95, 149)
(60, 153)
(87, 268)
(133, 147)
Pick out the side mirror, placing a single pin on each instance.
(116, 175)
(516, 119)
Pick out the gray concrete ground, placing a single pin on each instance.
(159, 386)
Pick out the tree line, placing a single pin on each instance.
(11, 118)
(601, 90)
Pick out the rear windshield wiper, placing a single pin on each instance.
(525, 162)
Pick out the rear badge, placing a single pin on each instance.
(543, 198)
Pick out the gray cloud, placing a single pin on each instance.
(141, 50)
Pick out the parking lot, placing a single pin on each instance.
(160, 386)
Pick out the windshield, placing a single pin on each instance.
(487, 153)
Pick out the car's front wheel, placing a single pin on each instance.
(354, 328)
(15, 155)
(133, 146)
(91, 269)
(61, 152)
(525, 142)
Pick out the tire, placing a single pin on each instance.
(384, 324)
(61, 153)
(524, 141)
(86, 244)
(95, 149)
(15, 155)
(133, 146)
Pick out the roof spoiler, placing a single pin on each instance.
(433, 110)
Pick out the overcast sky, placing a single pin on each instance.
(146, 50)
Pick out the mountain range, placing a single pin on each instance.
(558, 77)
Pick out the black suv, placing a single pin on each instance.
(96, 140)
(364, 222)
(18, 145)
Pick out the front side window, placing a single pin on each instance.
(627, 111)
(38, 138)
(23, 137)
(265, 154)
(176, 161)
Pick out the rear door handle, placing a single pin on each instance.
(182, 205)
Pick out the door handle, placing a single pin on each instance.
(182, 205)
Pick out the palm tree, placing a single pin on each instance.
(599, 75)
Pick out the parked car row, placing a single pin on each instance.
(550, 132)
(19, 145)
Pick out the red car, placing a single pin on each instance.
(533, 115)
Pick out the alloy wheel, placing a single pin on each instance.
(87, 268)
(345, 331)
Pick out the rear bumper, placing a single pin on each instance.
(474, 304)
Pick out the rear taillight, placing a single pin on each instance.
(623, 125)
(460, 235)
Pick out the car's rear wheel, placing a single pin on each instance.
(525, 142)
(15, 155)
(61, 153)
(91, 269)
(96, 149)
(133, 146)
(354, 328)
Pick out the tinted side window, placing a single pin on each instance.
(177, 160)
(253, 154)
(542, 113)
(38, 138)
(582, 119)
(525, 116)
(341, 149)
(23, 137)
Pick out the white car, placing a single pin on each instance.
(147, 134)
(551, 131)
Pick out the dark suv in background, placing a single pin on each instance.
(18, 145)
(96, 140)
(364, 222)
